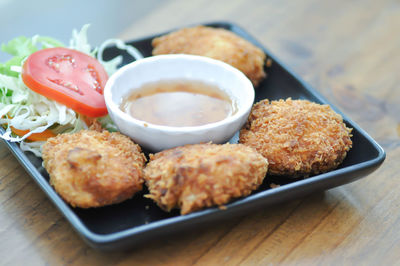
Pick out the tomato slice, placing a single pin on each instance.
(69, 77)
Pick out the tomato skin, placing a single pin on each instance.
(69, 77)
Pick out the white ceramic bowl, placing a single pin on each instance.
(172, 67)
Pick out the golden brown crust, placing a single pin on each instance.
(192, 177)
(92, 168)
(298, 137)
(216, 43)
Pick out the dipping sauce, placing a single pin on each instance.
(179, 103)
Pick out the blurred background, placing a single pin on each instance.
(57, 18)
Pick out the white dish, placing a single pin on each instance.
(172, 67)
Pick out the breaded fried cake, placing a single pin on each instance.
(216, 43)
(298, 137)
(93, 169)
(192, 177)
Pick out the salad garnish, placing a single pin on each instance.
(29, 117)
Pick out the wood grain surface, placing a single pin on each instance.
(347, 50)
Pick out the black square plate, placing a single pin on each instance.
(139, 219)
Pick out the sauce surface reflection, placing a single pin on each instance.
(179, 103)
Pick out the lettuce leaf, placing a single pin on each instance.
(20, 46)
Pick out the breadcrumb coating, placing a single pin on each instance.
(192, 177)
(298, 137)
(216, 43)
(93, 169)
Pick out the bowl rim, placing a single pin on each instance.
(114, 108)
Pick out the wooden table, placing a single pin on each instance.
(350, 52)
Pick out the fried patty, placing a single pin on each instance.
(192, 177)
(93, 169)
(216, 43)
(298, 137)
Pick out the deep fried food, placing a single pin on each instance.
(298, 137)
(93, 169)
(216, 43)
(192, 177)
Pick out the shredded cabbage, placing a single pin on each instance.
(25, 109)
